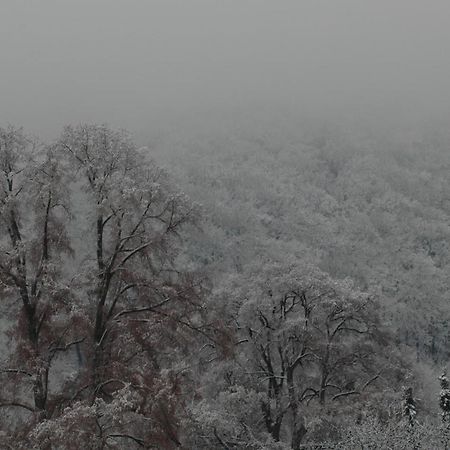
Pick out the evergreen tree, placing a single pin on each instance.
(409, 406)
(444, 397)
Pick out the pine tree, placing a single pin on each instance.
(444, 397)
(409, 406)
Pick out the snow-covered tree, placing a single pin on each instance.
(33, 218)
(444, 397)
(409, 406)
(118, 299)
(304, 341)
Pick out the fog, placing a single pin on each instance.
(147, 64)
(264, 264)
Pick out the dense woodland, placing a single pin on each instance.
(268, 289)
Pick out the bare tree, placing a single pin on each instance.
(306, 334)
(120, 301)
(33, 214)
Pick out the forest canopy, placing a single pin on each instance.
(263, 292)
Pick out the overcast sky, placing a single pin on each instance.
(134, 63)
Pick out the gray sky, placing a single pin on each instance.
(137, 63)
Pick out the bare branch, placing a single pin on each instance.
(367, 383)
(138, 441)
(17, 371)
(139, 310)
(66, 347)
(345, 394)
(131, 254)
(16, 405)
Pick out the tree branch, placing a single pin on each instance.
(143, 309)
(17, 405)
(17, 371)
(138, 441)
(345, 394)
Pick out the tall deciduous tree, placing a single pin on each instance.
(304, 340)
(121, 300)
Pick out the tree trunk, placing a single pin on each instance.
(40, 391)
(323, 384)
(298, 434)
(298, 423)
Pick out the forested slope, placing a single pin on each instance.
(364, 207)
(376, 210)
(302, 304)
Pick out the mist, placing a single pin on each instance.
(224, 224)
(148, 65)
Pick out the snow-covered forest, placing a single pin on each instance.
(224, 225)
(283, 290)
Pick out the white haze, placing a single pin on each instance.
(147, 64)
